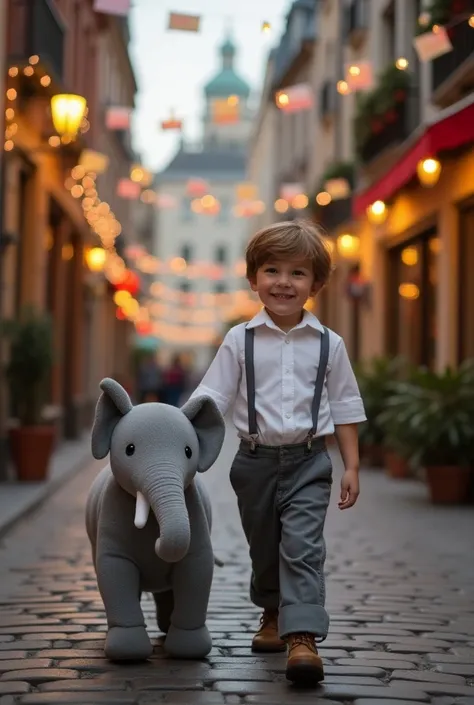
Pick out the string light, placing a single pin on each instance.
(401, 63)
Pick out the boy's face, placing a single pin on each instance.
(284, 286)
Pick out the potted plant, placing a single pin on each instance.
(396, 456)
(28, 373)
(375, 379)
(435, 412)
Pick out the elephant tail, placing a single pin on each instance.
(218, 562)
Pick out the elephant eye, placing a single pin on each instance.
(188, 451)
(130, 449)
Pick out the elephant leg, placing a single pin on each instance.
(119, 586)
(164, 607)
(188, 636)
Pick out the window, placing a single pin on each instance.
(466, 284)
(185, 286)
(220, 288)
(413, 273)
(221, 254)
(187, 253)
(186, 212)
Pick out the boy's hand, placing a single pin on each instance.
(349, 489)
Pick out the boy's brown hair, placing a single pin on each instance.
(289, 240)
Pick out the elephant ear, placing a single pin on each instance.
(113, 403)
(209, 425)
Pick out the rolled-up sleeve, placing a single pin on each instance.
(222, 378)
(345, 402)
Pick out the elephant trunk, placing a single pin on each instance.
(165, 494)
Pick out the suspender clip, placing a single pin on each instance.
(253, 442)
(309, 439)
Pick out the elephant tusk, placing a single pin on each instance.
(142, 509)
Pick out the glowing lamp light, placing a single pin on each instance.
(377, 212)
(409, 291)
(323, 198)
(409, 256)
(343, 87)
(95, 258)
(428, 171)
(282, 99)
(281, 205)
(130, 282)
(67, 111)
(471, 21)
(348, 245)
(401, 63)
(300, 201)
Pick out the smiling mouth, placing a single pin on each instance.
(283, 297)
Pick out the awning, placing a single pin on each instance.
(451, 128)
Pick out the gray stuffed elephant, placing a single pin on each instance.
(155, 452)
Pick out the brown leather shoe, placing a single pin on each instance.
(304, 664)
(267, 638)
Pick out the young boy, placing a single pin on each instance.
(289, 382)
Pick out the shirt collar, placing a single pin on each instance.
(263, 319)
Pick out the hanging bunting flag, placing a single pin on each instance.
(112, 7)
(164, 200)
(359, 76)
(118, 118)
(128, 189)
(94, 161)
(430, 45)
(196, 188)
(224, 112)
(295, 98)
(290, 190)
(184, 23)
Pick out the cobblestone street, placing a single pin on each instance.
(400, 593)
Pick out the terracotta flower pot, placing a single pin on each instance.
(396, 466)
(448, 484)
(373, 455)
(31, 449)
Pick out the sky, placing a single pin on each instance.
(172, 67)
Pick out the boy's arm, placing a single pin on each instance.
(222, 378)
(347, 410)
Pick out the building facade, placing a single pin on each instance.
(62, 47)
(200, 237)
(397, 131)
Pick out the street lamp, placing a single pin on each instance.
(67, 111)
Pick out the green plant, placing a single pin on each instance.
(375, 380)
(434, 416)
(376, 105)
(439, 12)
(30, 363)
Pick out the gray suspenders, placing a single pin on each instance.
(250, 377)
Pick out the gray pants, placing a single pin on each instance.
(283, 494)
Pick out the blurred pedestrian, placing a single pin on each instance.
(149, 380)
(174, 382)
(289, 382)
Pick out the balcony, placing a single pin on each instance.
(35, 28)
(453, 73)
(386, 131)
(357, 21)
(327, 100)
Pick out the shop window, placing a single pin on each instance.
(221, 254)
(413, 285)
(466, 284)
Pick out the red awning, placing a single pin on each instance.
(451, 130)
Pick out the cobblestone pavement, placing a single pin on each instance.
(400, 593)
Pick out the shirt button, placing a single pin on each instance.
(287, 341)
(288, 416)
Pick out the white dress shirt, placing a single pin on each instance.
(286, 365)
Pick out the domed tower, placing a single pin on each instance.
(227, 118)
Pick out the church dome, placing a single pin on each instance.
(227, 82)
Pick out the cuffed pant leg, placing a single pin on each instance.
(302, 548)
(253, 479)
